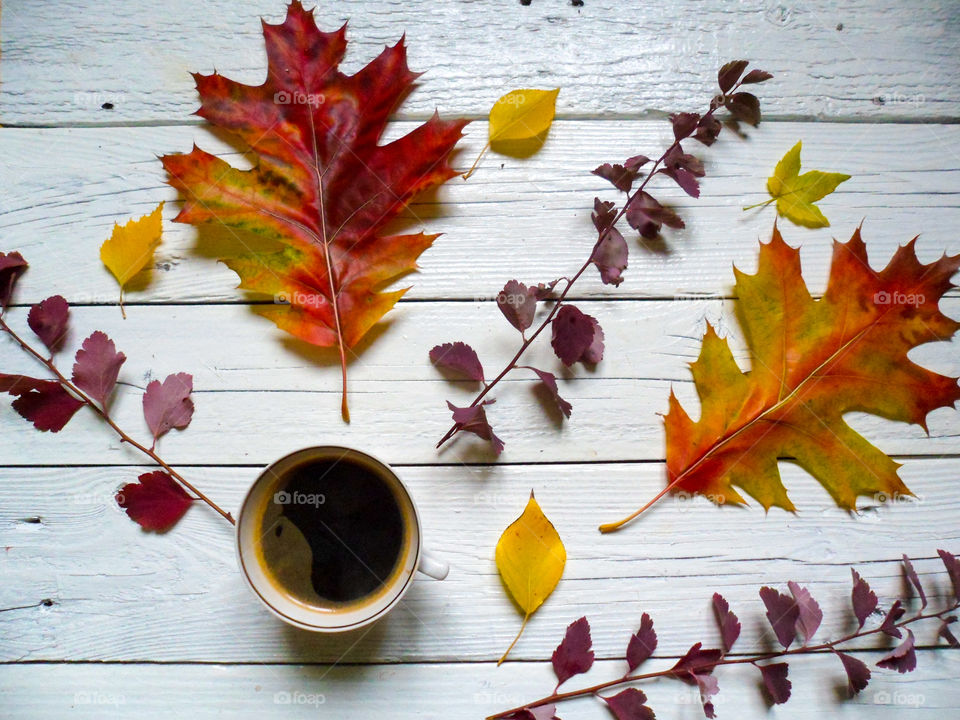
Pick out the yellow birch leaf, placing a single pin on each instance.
(796, 194)
(130, 248)
(519, 122)
(530, 558)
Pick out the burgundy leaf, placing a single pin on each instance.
(708, 688)
(543, 291)
(730, 73)
(603, 214)
(776, 682)
(458, 357)
(684, 124)
(542, 712)
(697, 661)
(474, 420)
(610, 257)
(915, 581)
(944, 631)
(728, 622)
(783, 613)
(619, 176)
(708, 129)
(156, 502)
(636, 162)
(864, 599)
(953, 569)
(646, 215)
(676, 158)
(744, 107)
(810, 614)
(902, 659)
(756, 76)
(576, 336)
(518, 303)
(573, 655)
(167, 405)
(48, 319)
(889, 624)
(549, 381)
(43, 402)
(97, 366)
(12, 266)
(642, 643)
(858, 674)
(685, 179)
(629, 704)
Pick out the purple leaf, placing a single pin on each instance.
(619, 176)
(549, 381)
(167, 405)
(944, 631)
(43, 402)
(953, 569)
(97, 366)
(48, 320)
(783, 613)
(629, 704)
(889, 624)
(685, 179)
(518, 303)
(902, 659)
(12, 266)
(697, 661)
(684, 124)
(474, 420)
(573, 655)
(756, 76)
(858, 674)
(642, 643)
(915, 581)
(603, 214)
(636, 162)
(543, 291)
(646, 215)
(542, 712)
(864, 599)
(677, 159)
(728, 622)
(744, 107)
(708, 130)
(730, 73)
(156, 502)
(458, 357)
(610, 257)
(776, 682)
(810, 613)
(709, 687)
(576, 336)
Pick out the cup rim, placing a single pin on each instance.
(329, 628)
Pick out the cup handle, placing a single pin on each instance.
(429, 565)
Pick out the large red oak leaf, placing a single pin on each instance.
(322, 187)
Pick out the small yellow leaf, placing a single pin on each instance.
(796, 194)
(522, 115)
(131, 247)
(530, 557)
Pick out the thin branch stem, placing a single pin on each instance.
(124, 437)
(527, 341)
(805, 650)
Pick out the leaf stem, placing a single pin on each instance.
(473, 168)
(124, 437)
(523, 625)
(602, 234)
(556, 697)
(759, 204)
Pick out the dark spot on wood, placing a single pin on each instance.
(107, 106)
(839, 26)
(47, 602)
(35, 520)
(576, 3)
(878, 100)
(524, 2)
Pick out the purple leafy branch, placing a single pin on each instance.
(159, 498)
(790, 615)
(576, 336)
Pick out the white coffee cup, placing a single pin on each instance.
(287, 606)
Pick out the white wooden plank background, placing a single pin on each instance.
(147, 625)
